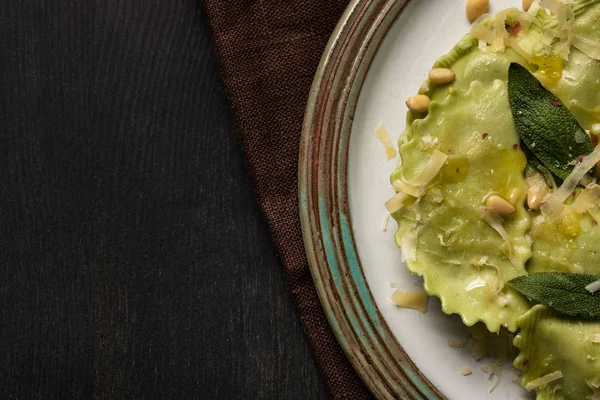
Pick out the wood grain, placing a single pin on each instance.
(134, 261)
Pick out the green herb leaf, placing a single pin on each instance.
(545, 125)
(561, 291)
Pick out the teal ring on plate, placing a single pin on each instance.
(327, 228)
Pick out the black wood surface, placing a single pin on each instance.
(134, 261)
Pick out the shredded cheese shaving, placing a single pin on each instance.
(465, 371)
(385, 221)
(383, 135)
(480, 32)
(416, 299)
(553, 205)
(432, 168)
(397, 202)
(495, 221)
(416, 188)
(404, 187)
(544, 380)
(500, 33)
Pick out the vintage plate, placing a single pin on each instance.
(377, 57)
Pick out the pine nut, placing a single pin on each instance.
(535, 197)
(476, 8)
(440, 76)
(499, 205)
(418, 103)
(527, 4)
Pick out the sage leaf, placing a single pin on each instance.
(546, 127)
(562, 291)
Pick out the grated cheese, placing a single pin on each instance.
(500, 33)
(544, 380)
(416, 299)
(553, 205)
(396, 203)
(384, 137)
(385, 221)
(403, 187)
(465, 371)
(482, 33)
(432, 168)
(495, 221)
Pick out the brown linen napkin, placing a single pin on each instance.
(268, 52)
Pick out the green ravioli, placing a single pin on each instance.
(465, 259)
(549, 343)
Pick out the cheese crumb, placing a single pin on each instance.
(383, 135)
(465, 371)
(416, 299)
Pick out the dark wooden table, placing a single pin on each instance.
(135, 263)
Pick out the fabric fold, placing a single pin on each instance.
(268, 53)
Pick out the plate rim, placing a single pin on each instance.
(334, 262)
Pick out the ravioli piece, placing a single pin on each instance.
(550, 344)
(462, 259)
